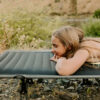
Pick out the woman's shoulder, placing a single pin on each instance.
(92, 43)
(93, 47)
(83, 53)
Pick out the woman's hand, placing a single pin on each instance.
(55, 58)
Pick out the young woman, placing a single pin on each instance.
(71, 50)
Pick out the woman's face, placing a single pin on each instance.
(57, 47)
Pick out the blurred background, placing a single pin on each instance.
(28, 24)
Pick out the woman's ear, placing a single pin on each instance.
(65, 47)
(69, 48)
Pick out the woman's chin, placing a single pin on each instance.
(59, 56)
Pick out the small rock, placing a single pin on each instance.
(62, 87)
(46, 89)
(70, 88)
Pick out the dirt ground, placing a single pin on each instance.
(47, 89)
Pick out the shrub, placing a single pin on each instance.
(97, 14)
(22, 29)
(92, 28)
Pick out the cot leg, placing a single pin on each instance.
(23, 89)
(24, 83)
(86, 82)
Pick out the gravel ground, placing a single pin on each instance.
(47, 89)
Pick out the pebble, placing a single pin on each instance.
(47, 89)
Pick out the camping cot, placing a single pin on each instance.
(26, 65)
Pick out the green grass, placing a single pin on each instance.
(97, 14)
(92, 28)
(22, 29)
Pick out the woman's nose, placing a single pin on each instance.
(52, 50)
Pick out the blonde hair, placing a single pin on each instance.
(69, 37)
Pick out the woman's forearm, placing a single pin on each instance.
(69, 66)
(62, 66)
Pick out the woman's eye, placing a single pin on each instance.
(54, 45)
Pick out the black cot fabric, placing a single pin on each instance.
(85, 70)
(27, 62)
(13, 62)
